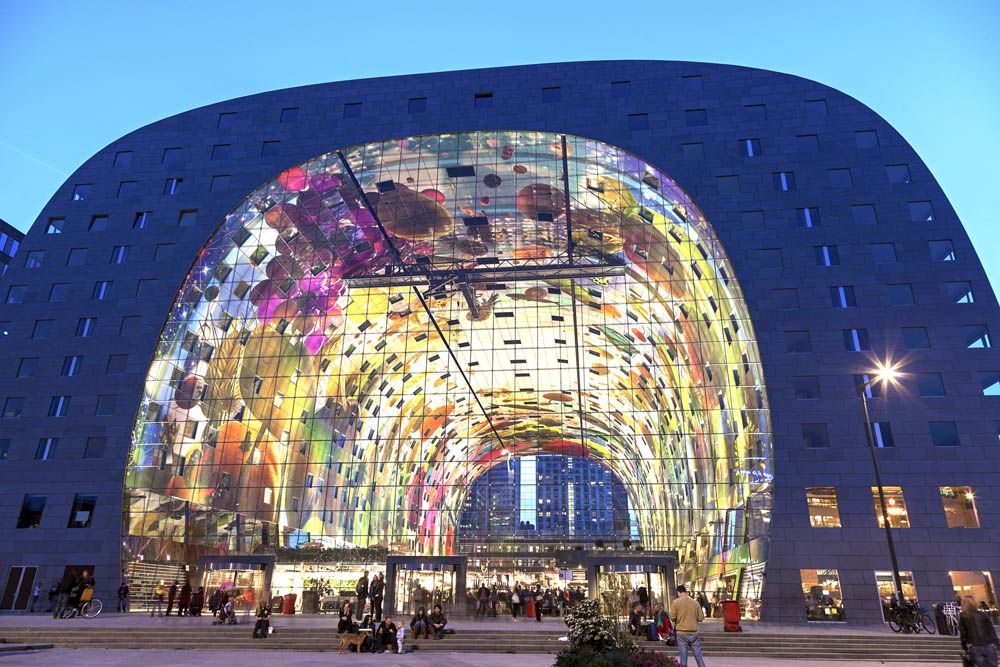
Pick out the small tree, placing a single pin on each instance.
(590, 628)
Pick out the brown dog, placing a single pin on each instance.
(347, 640)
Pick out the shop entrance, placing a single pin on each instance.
(425, 581)
(248, 578)
(621, 582)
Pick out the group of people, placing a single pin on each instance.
(189, 602)
(374, 591)
(65, 593)
(384, 635)
(526, 601)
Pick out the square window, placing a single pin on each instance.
(895, 507)
(144, 288)
(162, 251)
(95, 447)
(941, 251)
(816, 109)
(823, 509)
(695, 117)
(899, 294)
(85, 327)
(55, 226)
(693, 150)
(59, 406)
(172, 186)
(551, 94)
(227, 120)
(990, 383)
(786, 298)
(915, 338)
(221, 151)
(882, 434)
(98, 223)
(755, 112)
(921, 211)
(118, 254)
(797, 342)
(823, 596)
(482, 100)
(82, 512)
(32, 508)
(976, 336)
(840, 178)
(13, 407)
(815, 435)
(139, 222)
(842, 296)
(187, 218)
(750, 147)
(827, 255)
(43, 329)
(770, 258)
(416, 105)
(728, 184)
(808, 217)
(807, 143)
(27, 367)
(127, 189)
(929, 384)
(959, 292)
(76, 257)
(35, 259)
(101, 290)
(71, 366)
(883, 253)
(620, 88)
(46, 450)
(752, 219)
(638, 121)
(943, 434)
(81, 191)
(220, 182)
(692, 83)
(864, 214)
(806, 387)
(106, 404)
(171, 157)
(897, 173)
(123, 159)
(856, 340)
(784, 180)
(959, 506)
(270, 148)
(866, 139)
(116, 364)
(289, 115)
(59, 292)
(128, 325)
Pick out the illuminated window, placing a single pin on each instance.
(118, 254)
(959, 507)
(895, 507)
(823, 599)
(71, 366)
(887, 589)
(882, 434)
(139, 222)
(101, 289)
(823, 510)
(976, 584)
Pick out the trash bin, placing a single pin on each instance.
(310, 602)
(288, 604)
(731, 616)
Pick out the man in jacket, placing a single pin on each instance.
(362, 590)
(63, 589)
(438, 621)
(376, 593)
(686, 614)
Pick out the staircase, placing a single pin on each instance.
(143, 577)
(843, 648)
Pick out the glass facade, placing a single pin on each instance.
(373, 331)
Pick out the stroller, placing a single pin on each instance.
(227, 615)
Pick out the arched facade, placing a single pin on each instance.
(369, 332)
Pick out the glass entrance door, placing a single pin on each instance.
(425, 585)
(621, 587)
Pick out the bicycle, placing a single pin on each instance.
(86, 607)
(910, 618)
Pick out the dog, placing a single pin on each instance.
(347, 640)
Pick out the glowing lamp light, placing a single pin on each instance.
(886, 372)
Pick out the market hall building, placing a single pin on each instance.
(600, 325)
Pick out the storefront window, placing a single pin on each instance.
(959, 507)
(821, 590)
(887, 590)
(895, 507)
(823, 510)
(980, 586)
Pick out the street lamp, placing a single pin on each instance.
(885, 374)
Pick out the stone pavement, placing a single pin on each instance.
(153, 658)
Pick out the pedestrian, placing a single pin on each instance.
(123, 598)
(538, 598)
(248, 602)
(262, 627)
(482, 600)
(197, 601)
(515, 602)
(644, 598)
(362, 590)
(979, 637)
(686, 613)
(376, 593)
(159, 593)
(53, 592)
(35, 592)
(184, 600)
(215, 601)
(65, 587)
(171, 596)
(703, 601)
(494, 598)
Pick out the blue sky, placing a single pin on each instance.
(74, 76)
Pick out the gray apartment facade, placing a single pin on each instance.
(845, 247)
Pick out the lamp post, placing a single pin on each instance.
(885, 374)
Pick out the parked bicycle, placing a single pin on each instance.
(87, 606)
(910, 617)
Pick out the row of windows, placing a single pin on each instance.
(13, 407)
(942, 434)
(99, 222)
(975, 336)
(927, 385)
(958, 502)
(81, 515)
(897, 294)
(72, 366)
(938, 250)
(8, 244)
(47, 447)
(785, 181)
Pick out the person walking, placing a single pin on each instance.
(538, 598)
(979, 637)
(184, 600)
(35, 592)
(515, 602)
(494, 598)
(123, 598)
(376, 593)
(171, 596)
(159, 593)
(65, 587)
(686, 614)
(53, 592)
(482, 600)
(362, 590)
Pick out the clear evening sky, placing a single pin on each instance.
(76, 75)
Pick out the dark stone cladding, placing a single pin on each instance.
(769, 251)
